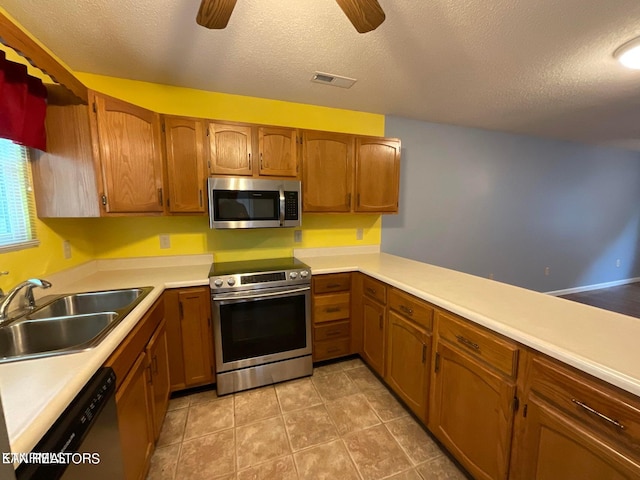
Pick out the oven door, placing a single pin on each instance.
(257, 328)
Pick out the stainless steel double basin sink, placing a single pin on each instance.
(67, 323)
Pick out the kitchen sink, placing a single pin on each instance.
(67, 323)
(92, 302)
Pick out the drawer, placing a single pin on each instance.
(335, 306)
(333, 282)
(374, 289)
(596, 405)
(496, 352)
(332, 330)
(331, 348)
(411, 307)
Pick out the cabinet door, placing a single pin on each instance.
(556, 446)
(471, 413)
(377, 174)
(197, 338)
(373, 334)
(230, 149)
(327, 172)
(135, 422)
(278, 151)
(184, 140)
(129, 143)
(160, 386)
(408, 353)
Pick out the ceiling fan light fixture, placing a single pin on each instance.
(629, 54)
(333, 80)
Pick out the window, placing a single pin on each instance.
(17, 209)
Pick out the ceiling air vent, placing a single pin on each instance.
(331, 79)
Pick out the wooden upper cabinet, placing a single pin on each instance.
(185, 160)
(129, 145)
(327, 171)
(230, 149)
(278, 151)
(377, 182)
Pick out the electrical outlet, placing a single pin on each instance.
(491, 276)
(547, 271)
(618, 263)
(297, 236)
(165, 241)
(359, 233)
(66, 249)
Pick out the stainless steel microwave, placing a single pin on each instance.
(254, 203)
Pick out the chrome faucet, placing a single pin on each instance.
(28, 285)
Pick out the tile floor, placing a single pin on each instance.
(341, 423)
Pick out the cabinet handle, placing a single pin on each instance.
(332, 309)
(160, 196)
(436, 367)
(155, 363)
(333, 350)
(372, 291)
(358, 201)
(424, 353)
(468, 343)
(406, 310)
(348, 200)
(598, 414)
(333, 334)
(333, 285)
(200, 192)
(181, 310)
(249, 161)
(261, 167)
(150, 374)
(380, 321)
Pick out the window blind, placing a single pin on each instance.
(17, 207)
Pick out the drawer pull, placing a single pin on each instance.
(406, 310)
(333, 333)
(333, 285)
(332, 309)
(372, 291)
(333, 350)
(598, 414)
(468, 343)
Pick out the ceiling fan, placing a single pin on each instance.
(365, 15)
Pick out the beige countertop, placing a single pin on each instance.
(35, 392)
(596, 341)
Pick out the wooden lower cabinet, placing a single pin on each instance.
(159, 367)
(373, 334)
(407, 370)
(471, 412)
(190, 337)
(135, 420)
(331, 316)
(555, 445)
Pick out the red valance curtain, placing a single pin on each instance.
(23, 105)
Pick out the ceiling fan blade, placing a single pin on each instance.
(366, 15)
(215, 13)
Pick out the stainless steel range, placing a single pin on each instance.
(261, 322)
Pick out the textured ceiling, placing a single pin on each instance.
(540, 67)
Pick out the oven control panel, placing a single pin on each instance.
(260, 280)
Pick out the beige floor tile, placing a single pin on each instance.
(334, 385)
(206, 396)
(308, 427)
(406, 475)
(327, 369)
(255, 405)
(261, 441)
(440, 468)
(376, 454)
(414, 440)
(297, 394)
(206, 457)
(351, 414)
(164, 462)
(209, 417)
(329, 461)
(363, 378)
(353, 363)
(178, 402)
(279, 469)
(384, 404)
(173, 427)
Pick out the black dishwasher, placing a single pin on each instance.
(84, 443)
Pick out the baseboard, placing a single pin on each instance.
(595, 286)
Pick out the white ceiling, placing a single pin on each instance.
(540, 67)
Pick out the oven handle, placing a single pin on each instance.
(261, 295)
(282, 213)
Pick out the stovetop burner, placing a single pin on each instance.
(258, 274)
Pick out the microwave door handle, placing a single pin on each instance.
(281, 207)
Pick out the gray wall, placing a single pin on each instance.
(487, 202)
